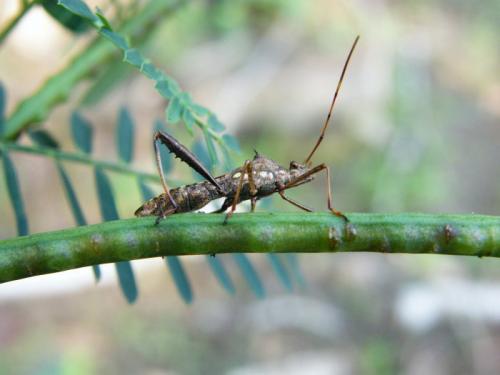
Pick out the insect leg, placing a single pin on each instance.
(246, 170)
(163, 215)
(227, 203)
(312, 171)
(157, 137)
(253, 203)
(186, 156)
(289, 200)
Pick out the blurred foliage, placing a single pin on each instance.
(416, 128)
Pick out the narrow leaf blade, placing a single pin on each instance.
(71, 196)
(43, 138)
(125, 135)
(14, 192)
(250, 275)
(210, 146)
(189, 121)
(105, 196)
(215, 124)
(127, 281)
(180, 278)
(69, 20)
(281, 271)
(221, 274)
(75, 206)
(294, 266)
(78, 7)
(109, 212)
(174, 110)
(81, 132)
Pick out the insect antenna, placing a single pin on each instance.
(322, 134)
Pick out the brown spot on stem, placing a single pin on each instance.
(95, 241)
(333, 237)
(449, 233)
(350, 232)
(385, 246)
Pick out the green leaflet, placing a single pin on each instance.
(215, 124)
(210, 146)
(180, 279)
(200, 151)
(249, 274)
(221, 274)
(174, 110)
(81, 132)
(125, 135)
(231, 142)
(14, 192)
(43, 138)
(293, 263)
(189, 121)
(75, 206)
(280, 270)
(80, 8)
(109, 212)
(69, 20)
(127, 280)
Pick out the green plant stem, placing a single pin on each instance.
(80, 158)
(56, 89)
(188, 234)
(26, 6)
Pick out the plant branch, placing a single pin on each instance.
(188, 234)
(56, 89)
(81, 158)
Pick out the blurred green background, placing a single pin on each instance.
(416, 128)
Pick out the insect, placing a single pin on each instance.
(257, 178)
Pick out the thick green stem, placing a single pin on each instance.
(188, 234)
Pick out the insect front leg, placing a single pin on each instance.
(319, 168)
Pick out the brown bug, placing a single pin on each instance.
(257, 178)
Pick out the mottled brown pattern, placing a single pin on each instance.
(267, 174)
